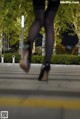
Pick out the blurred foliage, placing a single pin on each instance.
(12, 10)
(67, 14)
(38, 50)
(61, 49)
(10, 18)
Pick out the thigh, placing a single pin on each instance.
(53, 4)
(39, 4)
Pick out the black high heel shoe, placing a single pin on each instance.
(25, 61)
(44, 72)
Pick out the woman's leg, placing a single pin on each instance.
(48, 24)
(49, 29)
(38, 6)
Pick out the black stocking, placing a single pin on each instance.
(37, 24)
(46, 19)
(49, 30)
(49, 35)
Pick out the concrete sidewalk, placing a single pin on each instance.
(63, 80)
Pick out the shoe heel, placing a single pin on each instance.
(44, 73)
(45, 76)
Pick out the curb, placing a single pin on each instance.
(56, 65)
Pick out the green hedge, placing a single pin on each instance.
(65, 59)
(56, 59)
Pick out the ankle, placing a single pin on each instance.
(46, 66)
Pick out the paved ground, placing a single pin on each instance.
(23, 96)
(61, 78)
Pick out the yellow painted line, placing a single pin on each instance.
(41, 103)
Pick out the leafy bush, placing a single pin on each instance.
(61, 49)
(65, 59)
(37, 59)
(56, 59)
(38, 50)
